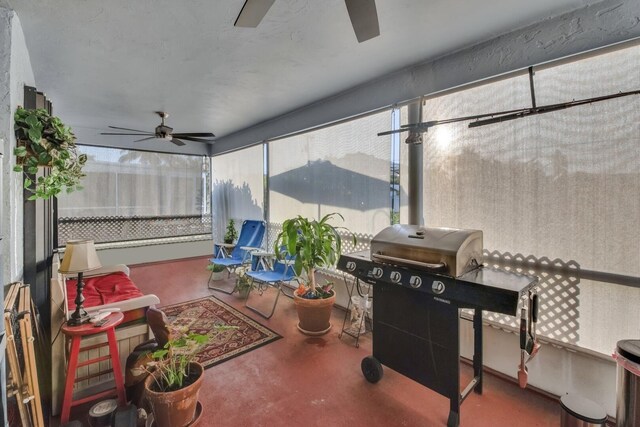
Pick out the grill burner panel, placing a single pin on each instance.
(416, 319)
(485, 288)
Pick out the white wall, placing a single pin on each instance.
(555, 370)
(131, 255)
(15, 72)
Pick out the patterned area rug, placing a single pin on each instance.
(201, 316)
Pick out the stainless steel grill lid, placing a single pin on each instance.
(449, 251)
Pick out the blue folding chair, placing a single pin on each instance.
(250, 239)
(281, 273)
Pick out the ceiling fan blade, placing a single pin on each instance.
(252, 13)
(144, 139)
(127, 134)
(134, 130)
(364, 18)
(177, 141)
(190, 138)
(197, 135)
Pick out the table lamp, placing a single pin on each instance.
(79, 256)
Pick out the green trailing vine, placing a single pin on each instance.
(45, 141)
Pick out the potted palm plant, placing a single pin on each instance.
(45, 141)
(314, 244)
(173, 386)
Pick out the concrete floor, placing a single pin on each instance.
(317, 381)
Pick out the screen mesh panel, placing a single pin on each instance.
(562, 185)
(344, 168)
(131, 195)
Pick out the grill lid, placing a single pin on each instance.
(447, 250)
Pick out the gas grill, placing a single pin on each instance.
(422, 277)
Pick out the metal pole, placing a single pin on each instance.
(415, 169)
(265, 181)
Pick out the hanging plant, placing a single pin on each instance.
(43, 140)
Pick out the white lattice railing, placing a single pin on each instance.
(558, 287)
(362, 240)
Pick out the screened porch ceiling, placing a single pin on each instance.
(116, 63)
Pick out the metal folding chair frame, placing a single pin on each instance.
(265, 284)
(242, 247)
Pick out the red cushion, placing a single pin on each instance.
(101, 290)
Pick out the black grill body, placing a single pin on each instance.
(416, 319)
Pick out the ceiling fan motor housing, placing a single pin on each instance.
(163, 131)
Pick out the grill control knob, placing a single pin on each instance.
(395, 277)
(377, 272)
(351, 266)
(415, 282)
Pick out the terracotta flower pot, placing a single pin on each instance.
(175, 408)
(314, 314)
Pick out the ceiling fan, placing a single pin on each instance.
(363, 15)
(165, 132)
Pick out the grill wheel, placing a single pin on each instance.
(371, 369)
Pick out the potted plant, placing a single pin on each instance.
(217, 271)
(173, 386)
(314, 244)
(243, 282)
(45, 141)
(231, 233)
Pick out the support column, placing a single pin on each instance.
(266, 207)
(415, 167)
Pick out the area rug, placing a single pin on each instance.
(201, 316)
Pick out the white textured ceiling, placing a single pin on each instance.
(115, 62)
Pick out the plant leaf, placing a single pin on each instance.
(35, 135)
(20, 151)
(44, 158)
(31, 120)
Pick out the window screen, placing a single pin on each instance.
(238, 188)
(132, 195)
(344, 168)
(560, 188)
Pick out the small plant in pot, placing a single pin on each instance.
(217, 271)
(44, 141)
(173, 386)
(231, 234)
(314, 244)
(243, 282)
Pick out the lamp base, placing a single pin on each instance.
(79, 317)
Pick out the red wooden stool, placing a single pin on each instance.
(76, 333)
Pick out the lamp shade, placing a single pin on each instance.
(79, 256)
